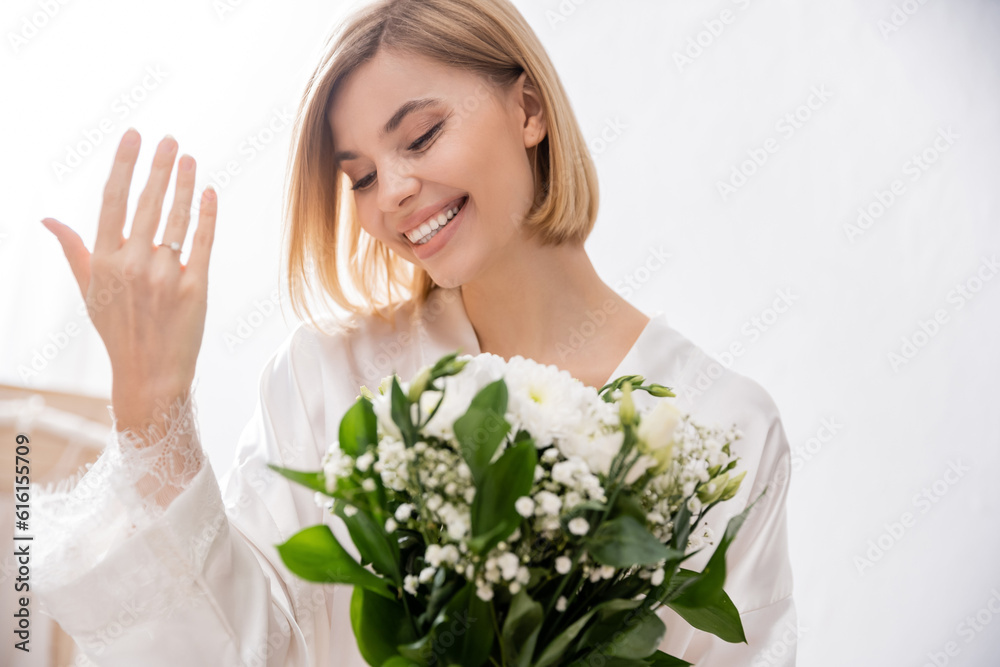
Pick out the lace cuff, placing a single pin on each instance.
(129, 487)
(157, 464)
(132, 530)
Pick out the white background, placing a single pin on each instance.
(665, 133)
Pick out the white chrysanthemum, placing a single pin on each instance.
(546, 400)
(596, 449)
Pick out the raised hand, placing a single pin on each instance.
(147, 306)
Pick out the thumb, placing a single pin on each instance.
(74, 249)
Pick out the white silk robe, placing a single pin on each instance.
(151, 560)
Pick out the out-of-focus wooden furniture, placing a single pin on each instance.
(66, 431)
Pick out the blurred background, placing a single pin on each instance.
(809, 191)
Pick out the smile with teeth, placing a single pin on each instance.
(426, 231)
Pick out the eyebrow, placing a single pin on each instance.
(393, 123)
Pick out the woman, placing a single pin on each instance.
(433, 134)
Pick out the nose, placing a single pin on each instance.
(396, 183)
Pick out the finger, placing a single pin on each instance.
(76, 252)
(150, 206)
(115, 204)
(180, 213)
(201, 246)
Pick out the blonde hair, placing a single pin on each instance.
(489, 37)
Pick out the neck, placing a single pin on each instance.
(535, 300)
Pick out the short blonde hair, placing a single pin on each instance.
(488, 37)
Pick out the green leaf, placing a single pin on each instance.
(627, 504)
(682, 528)
(482, 428)
(623, 633)
(507, 479)
(442, 592)
(400, 412)
(553, 653)
(313, 480)
(707, 585)
(379, 625)
(623, 542)
(720, 617)
(461, 634)
(358, 428)
(315, 555)
(661, 659)
(372, 542)
(521, 628)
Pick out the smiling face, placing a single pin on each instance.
(448, 138)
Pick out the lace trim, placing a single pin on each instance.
(128, 488)
(161, 460)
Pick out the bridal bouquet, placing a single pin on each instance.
(507, 514)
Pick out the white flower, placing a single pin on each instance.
(382, 407)
(459, 390)
(364, 461)
(457, 528)
(607, 571)
(597, 450)
(410, 584)
(563, 564)
(544, 399)
(525, 506)
(368, 484)
(350, 510)
(549, 502)
(403, 512)
(657, 431)
(561, 603)
(323, 501)
(578, 526)
(427, 574)
(433, 555)
(449, 554)
(508, 564)
(514, 587)
(390, 525)
(657, 578)
(484, 591)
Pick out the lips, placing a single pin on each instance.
(427, 228)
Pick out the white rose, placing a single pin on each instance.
(656, 432)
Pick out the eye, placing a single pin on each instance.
(362, 184)
(422, 141)
(417, 145)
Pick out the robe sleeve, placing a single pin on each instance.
(142, 560)
(758, 569)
